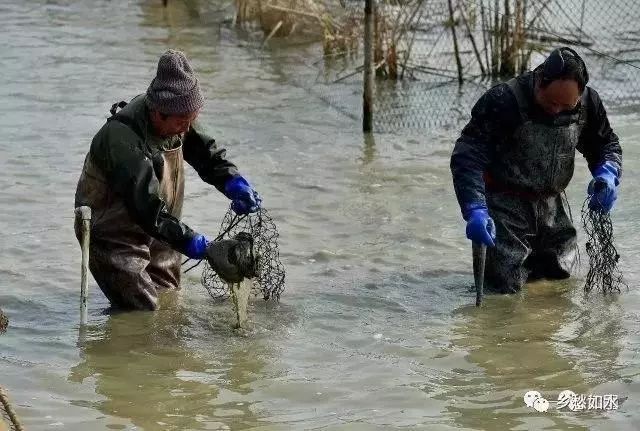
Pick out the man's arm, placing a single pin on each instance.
(598, 143)
(475, 147)
(201, 152)
(130, 174)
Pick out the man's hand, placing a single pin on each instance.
(480, 227)
(245, 199)
(603, 188)
(197, 247)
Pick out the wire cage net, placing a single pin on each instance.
(269, 281)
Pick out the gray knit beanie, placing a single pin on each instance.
(175, 89)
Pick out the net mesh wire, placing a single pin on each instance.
(416, 36)
(271, 272)
(603, 272)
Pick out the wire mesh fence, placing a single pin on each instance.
(424, 49)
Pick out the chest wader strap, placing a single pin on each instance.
(157, 160)
(127, 121)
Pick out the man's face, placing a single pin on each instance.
(166, 126)
(558, 96)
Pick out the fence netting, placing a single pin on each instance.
(424, 48)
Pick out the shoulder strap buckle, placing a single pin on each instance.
(115, 115)
(115, 106)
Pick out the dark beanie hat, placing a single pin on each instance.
(175, 89)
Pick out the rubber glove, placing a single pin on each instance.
(197, 247)
(480, 227)
(603, 188)
(244, 199)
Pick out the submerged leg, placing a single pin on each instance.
(505, 270)
(121, 273)
(556, 249)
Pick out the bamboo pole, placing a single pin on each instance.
(84, 213)
(455, 42)
(400, 30)
(471, 38)
(497, 41)
(518, 40)
(273, 32)
(407, 54)
(524, 62)
(479, 253)
(506, 65)
(485, 37)
(367, 106)
(379, 30)
(581, 21)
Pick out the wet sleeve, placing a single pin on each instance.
(202, 153)
(475, 147)
(598, 142)
(130, 174)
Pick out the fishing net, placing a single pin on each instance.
(268, 271)
(603, 257)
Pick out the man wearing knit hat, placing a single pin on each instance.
(133, 180)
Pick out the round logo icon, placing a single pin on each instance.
(541, 405)
(530, 397)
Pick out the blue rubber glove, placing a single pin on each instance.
(480, 227)
(603, 188)
(197, 247)
(245, 199)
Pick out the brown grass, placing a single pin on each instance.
(326, 21)
(339, 29)
(279, 18)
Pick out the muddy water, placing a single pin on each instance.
(376, 329)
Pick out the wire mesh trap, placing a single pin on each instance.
(269, 271)
(603, 272)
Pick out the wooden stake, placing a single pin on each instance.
(84, 213)
(367, 103)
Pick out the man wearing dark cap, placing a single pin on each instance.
(514, 160)
(133, 180)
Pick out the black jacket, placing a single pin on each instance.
(494, 119)
(133, 169)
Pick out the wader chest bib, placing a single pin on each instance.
(129, 265)
(524, 185)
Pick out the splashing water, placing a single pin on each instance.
(240, 298)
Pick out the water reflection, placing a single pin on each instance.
(145, 367)
(186, 24)
(175, 15)
(368, 149)
(530, 342)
